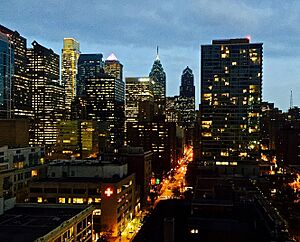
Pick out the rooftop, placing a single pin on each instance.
(28, 222)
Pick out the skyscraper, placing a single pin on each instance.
(186, 99)
(70, 55)
(113, 67)
(104, 95)
(231, 91)
(187, 88)
(47, 94)
(6, 73)
(105, 103)
(139, 99)
(143, 128)
(159, 88)
(20, 91)
(89, 65)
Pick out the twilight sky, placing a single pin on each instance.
(132, 29)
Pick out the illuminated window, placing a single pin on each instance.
(222, 163)
(39, 199)
(224, 153)
(97, 200)
(34, 173)
(206, 134)
(243, 154)
(77, 200)
(61, 200)
(97, 212)
(90, 200)
(234, 63)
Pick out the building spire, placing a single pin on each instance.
(157, 55)
(291, 99)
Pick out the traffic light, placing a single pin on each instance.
(157, 181)
(152, 181)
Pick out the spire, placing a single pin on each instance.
(112, 57)
(291, 100)
(157, 55)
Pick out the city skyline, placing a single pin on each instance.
(134, 41)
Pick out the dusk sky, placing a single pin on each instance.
(132, 29)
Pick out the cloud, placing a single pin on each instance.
(133, 28)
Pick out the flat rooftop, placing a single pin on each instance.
(28, 222)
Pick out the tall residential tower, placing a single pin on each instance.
(231, 92)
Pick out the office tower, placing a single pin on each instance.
(47, 94)
(89, 65)
(69, 59)
(139, 99)
(113, 67)
(172, 114)
(6, 73)
(76, 139)
(20, 91)
(142, 127)
(186, 99)
(231, 91)
(105, 103)
(187, 88)
(159, 88)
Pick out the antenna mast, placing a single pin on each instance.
(291, 100)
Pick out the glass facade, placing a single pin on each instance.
(21, 106)
(6, 73)
(139, 98)
(70, 55)
(47, 94)
(231, 92)
(89, 65)
(105, 103)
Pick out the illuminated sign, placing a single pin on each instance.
(157, 181)
(108, 192)
(153, 181)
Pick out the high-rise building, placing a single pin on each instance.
(76, 139)
(159, 87)
(70, 55)
(6, 74)
(89, 65)
(139, 99)
(105, 103)
(187, 88)
(143, 128)
(20, 87)
(186, 99)
(231, 92)
(47, 94)
(172, 112)
(113, 67)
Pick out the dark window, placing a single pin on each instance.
(79, 191)
(50, 190)
(92, 192)
(51, 200)
(65, 190)
(36, 190)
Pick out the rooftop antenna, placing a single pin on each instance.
(291, 100)
(157, 55)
